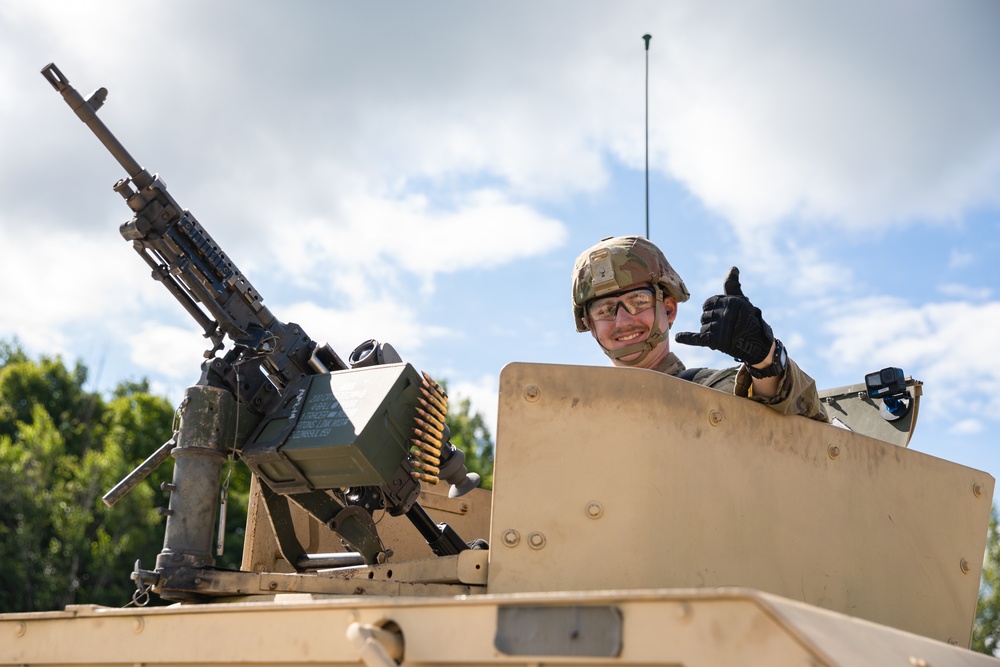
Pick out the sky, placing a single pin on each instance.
(426, 173)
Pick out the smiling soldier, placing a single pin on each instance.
(626, 294)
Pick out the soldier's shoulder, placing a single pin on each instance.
(715, 378)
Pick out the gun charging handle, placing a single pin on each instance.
(142, 471)
(454, 472)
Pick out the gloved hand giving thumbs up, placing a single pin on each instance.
(731, 324)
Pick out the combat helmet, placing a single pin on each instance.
(617, 263)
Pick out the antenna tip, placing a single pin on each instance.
(647, 38)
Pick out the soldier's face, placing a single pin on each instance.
(628, 329)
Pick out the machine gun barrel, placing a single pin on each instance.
(86, 109)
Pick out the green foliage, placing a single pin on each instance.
(469, 434)
(49, 384)
(61, 448)
(11, 352)
(986, 630)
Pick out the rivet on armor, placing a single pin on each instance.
(715, 417)
(964, 565)
(833, 451)
(536, 540)
(22, 628)
(595, 510)
(532, 393)
(511, 537)
(137, 625)
(977, 489)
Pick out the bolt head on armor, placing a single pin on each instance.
(619, 263)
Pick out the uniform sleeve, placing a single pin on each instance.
(796, 393)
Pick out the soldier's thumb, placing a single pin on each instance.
(732, 285)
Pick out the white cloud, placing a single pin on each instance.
(167, 351)
(768, 114)
(967, 427)
(54, 282)
(958, 291)
(761, 111)
(958, 259)
(383, 245)
(388, 320)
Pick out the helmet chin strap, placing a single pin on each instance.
(644, 347)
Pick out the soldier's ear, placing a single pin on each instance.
(670, 305)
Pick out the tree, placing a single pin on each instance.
(469, 434)
(986, 630)
(61, 447)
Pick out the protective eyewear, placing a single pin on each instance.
(635, 301)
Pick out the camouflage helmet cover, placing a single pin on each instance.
(617, 263)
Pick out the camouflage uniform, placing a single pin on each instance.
(796, 390)
(616, 264)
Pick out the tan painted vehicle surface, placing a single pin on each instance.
(635, 519)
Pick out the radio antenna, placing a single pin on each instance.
(646, 38)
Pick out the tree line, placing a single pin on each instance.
(62, 447)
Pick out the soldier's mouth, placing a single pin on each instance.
(629, 337)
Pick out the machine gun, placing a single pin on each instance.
(340, 440)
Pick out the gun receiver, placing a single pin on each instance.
(278, 379)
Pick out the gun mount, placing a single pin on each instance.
(337, 448)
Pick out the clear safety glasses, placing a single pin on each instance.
(635, 301)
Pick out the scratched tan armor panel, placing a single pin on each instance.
(618, 478)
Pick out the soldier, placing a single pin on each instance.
(626, 294)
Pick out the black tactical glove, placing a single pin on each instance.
(731, 324)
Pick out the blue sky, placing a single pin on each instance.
(426, 173)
